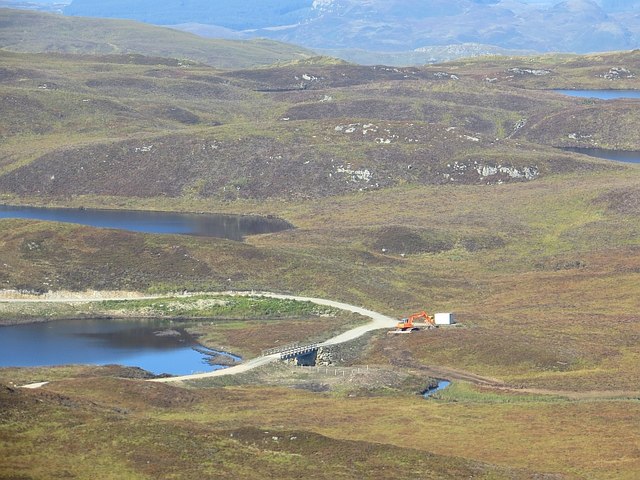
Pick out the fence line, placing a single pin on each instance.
(333, 371)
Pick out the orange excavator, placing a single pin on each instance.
(407, 325)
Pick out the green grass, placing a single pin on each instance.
(467, 393)
(204, 306)
(555, 298)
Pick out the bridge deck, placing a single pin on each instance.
(291, 351)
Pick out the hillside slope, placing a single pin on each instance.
(434, 188)
(163, 128)
(27, 31)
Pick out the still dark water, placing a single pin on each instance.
(134, 343)
(601, 94)
(617, 155)
(232, 227)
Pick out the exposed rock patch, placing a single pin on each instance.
(489, 173)
(324, 356)
(538, 72)
(617, 73)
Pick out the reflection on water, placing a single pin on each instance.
(232, 227)
(152, 345)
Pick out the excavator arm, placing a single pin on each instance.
(427, 318)
(407, 323)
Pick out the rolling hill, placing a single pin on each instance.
(160, 128)
(437, 188)
(28, 31)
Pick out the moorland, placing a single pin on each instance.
(442, 187)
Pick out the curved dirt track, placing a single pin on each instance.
(378, 321)
(495, 384)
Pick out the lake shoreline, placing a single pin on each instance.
(24, 300)
(631, 157)
(229, 226)
(47, 205)
(213, 357)
(68, 296)
(29, 321)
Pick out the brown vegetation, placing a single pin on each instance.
(409, 189)
(189, 131)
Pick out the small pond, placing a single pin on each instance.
(153, 345)
(617, 155)
(232, 227)
(442, 384)
(601, 94)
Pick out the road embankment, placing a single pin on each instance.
(378, 321)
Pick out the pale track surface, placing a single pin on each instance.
(12, 296)
(33, 386)
(495, 384)
(378, 321)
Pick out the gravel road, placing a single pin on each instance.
(378, 321)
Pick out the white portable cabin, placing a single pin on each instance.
(444, 319)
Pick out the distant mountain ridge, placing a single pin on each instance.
(400, 25)
(236, 15)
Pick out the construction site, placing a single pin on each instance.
(422, 320)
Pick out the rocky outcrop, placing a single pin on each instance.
(324, 356)
(617, 73)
